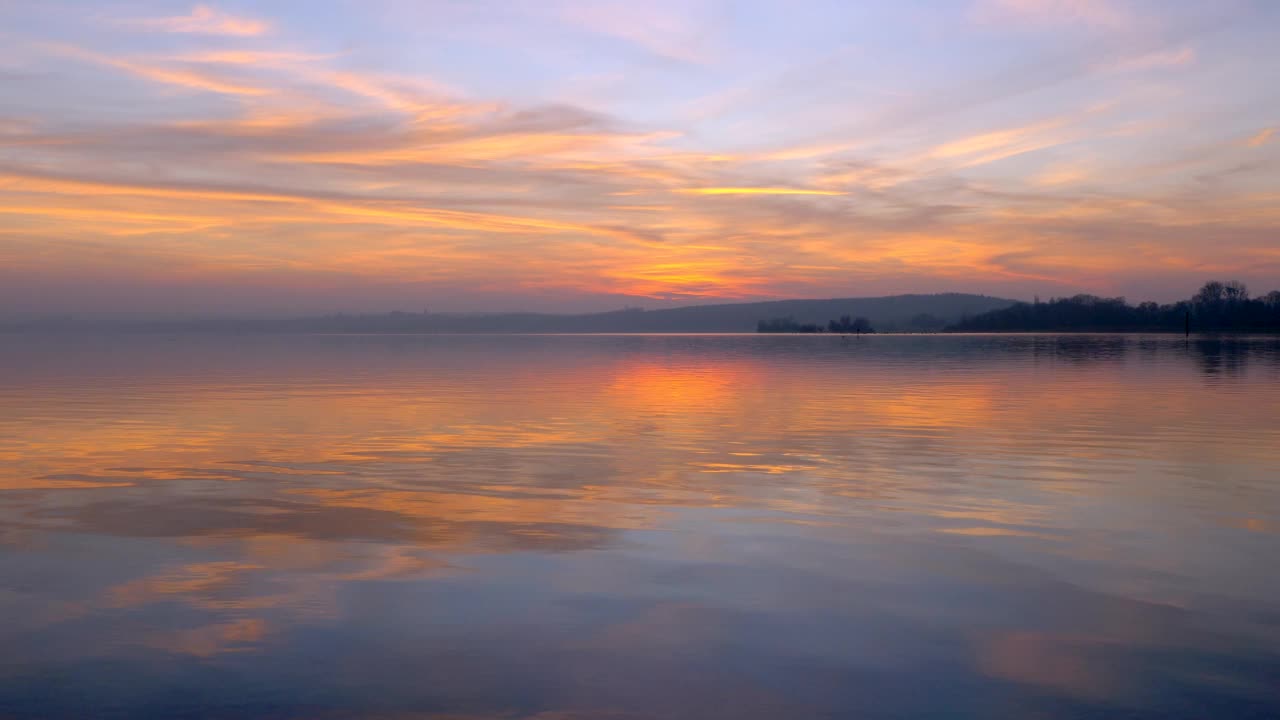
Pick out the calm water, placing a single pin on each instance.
(639, 527)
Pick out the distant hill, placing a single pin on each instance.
(893, 313)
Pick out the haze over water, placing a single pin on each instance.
(639, 526)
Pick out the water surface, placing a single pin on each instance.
(639, 527)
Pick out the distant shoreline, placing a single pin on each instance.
(1216, 308)
(190, 332)
(890, 313)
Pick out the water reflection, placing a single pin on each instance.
(638, 526)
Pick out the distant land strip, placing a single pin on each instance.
(896, 313)
(1216, 307)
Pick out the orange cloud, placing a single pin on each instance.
(249, 57)
(989, 147)
(463, 150)
(755, 191)
(432, 182)
(1063, 174)
(207, 21)
(411, 95)
(188, 79)
(182, 77)
(394, 213)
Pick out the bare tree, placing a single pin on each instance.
(1236, 291)
(1211, 293)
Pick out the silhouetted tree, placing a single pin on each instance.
(1235, 291)
(847, 325)
(1210, 294)
(786, 325)
(789, 325)
(1216, 306)
(778, 325)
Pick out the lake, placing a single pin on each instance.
(563, 527)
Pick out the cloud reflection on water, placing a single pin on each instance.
(507, 526)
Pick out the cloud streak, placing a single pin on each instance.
(187, 78)
(1261, 138)
(1106, 14)
(204, 20)
(280, 155)
(755, 191)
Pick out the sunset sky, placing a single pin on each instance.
(288, 157)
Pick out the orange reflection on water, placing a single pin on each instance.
(275, 486)
(204, 641)
(649, 386)
(1063, 663)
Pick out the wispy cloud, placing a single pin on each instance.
(204, 20)
(461, 171)
(755, 191)
(1068, 173)
(666, 32)
(989, 147)
(1261, 138)
(250, 57)
(1095, 13)
(1179, 57)
(166, 73)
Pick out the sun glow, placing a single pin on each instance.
(240, 147)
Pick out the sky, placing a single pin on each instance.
(580, 155)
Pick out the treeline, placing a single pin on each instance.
(1217, 307)
(789, 325)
